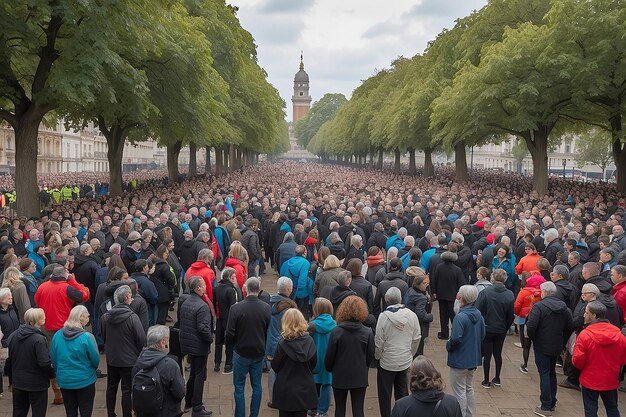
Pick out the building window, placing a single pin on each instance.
(301, 93)
(568, 147)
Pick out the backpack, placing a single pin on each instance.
(147, 391)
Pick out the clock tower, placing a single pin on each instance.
(301, 99)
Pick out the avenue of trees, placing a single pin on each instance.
(183, 72)
(534, 69)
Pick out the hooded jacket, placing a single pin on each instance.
(294, 361)
(172, 381)
(336, 294)
(392, 279)
(349, 355)
(423, 403)
(241, 271)
(279, 305)
(619, 294)
(57, 297)
(397, 336)
(417, 302)
(75, 358)
(163, 280)
(146, 287)
(204, 271)
(326, 278)
(297, 268)
(320, 329)
(250, 241)
(186, 254)
(604, 284)
(528, 295)
(447, 278)
(495, 303)
(528, 263)
(30, 359)
(9, 322)
(567, 293)
(549, 325)
(123, 335)
(464, 345)
(85, 268)
(599, 353)
(285, 252)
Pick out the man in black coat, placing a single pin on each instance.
(445, 282)
(337, 293)
(378, 237)
(172, 381)
(395, 278)
(549, 325)
(225, 294)
(246, 331)
(591, 275)
(565, 291)
(196, 336)
(250, 241)
(124, 339)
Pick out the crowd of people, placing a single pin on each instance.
(158, 279)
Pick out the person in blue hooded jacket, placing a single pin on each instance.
(504, 259)
(464, 348)
(75, 358)
(297, 268)
(320, 328)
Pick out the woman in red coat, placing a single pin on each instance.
(238, 260)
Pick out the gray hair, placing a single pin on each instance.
(115, 248)
(551, 233)
(288, 236)
(356, 238)
(393, 296)
(283, 284)
(499, 275)
(561, 270)
(468, 293)
(194, 282)
(409, 240)
(548, 288)
(402, 232)
(227, 272)
(122, 293)
(73, 320)
(457, 237)
(343, 277)
(597, 308)
(84, 248)
(253, 285)
(205, 254)
(155, 335)
(592, 288)
(4, 292)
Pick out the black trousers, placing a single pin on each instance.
(446, 315)
(195, 383)
(115, 375)
(162, 309)
(492, 346)
(357, 398)
(79, 399)
(220, 331)
(386, 381)
(282, 413)
(37, 401)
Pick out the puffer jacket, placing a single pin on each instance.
(279, 304)
(397, 337)
(528, 295)
(196, 326)
(464, 345)
(241, 271)
(30, 359)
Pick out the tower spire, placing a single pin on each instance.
(301, 61)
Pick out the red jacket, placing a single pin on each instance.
(202, 270)
(599, 353)
(57, 297)
(528, 295)
(241, 271)
(619, 294)
(528, 263)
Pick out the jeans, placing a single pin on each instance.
(252, 266)
(386, 381)
(242, 367)
(79, 399)
(115, 375)
(590, 402)
(195, 383)
(357, 398)
(546, 365)
(492, 345)
(462, 386)
(37, 401)
(152, 314)
(325, 395)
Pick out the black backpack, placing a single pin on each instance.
(147, 395)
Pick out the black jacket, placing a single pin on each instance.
(553, 250)
(164, 281)
(378, 239)
(172, 382)
(604, 284)
(370, 275)
(129, 256)
(30, 359)
(423, 403)
(123, 335)
(567, 293)
(250, 241)
(436, 260)
(549, 325)
(447, 278)
(225, 295)
(85, 268)
(363, 288)
(392, 279)
(464, 261)
(186, 254)
(349, 355)
(196, 326)
(336, 294)
(496, 304)
(294, 361)
(9, 322)
(417, 301)
(247, 326)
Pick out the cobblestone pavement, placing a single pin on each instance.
(517, 397)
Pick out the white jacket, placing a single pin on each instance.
(397, 336)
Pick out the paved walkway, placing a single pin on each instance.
(517, 397)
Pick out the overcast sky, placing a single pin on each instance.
(344, 41)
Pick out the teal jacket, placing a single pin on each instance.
(75, 358)
(320, 329)
(297, 268)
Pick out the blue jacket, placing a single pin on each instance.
(321, 327)
(394, 241)
(40, 264)
(468, 331)
(425, 261)
(279, 304)
(75, 358)
(297, 268)
(508, 265)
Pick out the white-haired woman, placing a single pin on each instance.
(75, 358)
(13, 281)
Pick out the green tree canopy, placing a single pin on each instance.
(322, 111)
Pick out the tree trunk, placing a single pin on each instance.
(207, 161)
(381, 155)
(219, 161)
(26, 187)
(232, 156)
(619, 153)
(115, 137)
(412, 169)
(193, 164)
(460, 160)
(396, 162)
(172, 162)
(538, 149)
(429, 168)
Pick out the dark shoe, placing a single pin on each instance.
(217, 367)
(523, 369)
(496, 382)
(486, 384)
(227, 370)
(270, 405)
(100, 374)
(201, 412)
(186, 409)
(441, 336)
(543, 413)
(566, 384)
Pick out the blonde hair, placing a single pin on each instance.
(11, 277)
(293, 324)
(34, 315)
(237, 251)
(73, 320)
(331, 262)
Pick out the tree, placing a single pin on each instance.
(595, 146)
(519, 152)
(322, 110)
